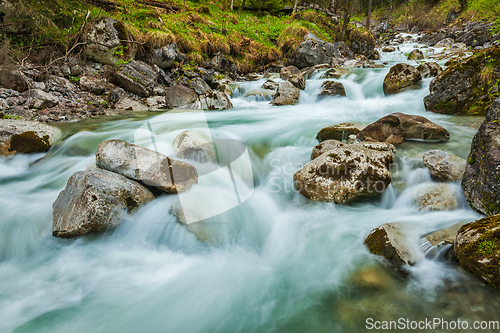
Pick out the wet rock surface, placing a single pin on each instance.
(96, 200)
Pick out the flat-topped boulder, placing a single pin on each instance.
(26, 137)
(179, 96)
(136, 77)
(150, 168)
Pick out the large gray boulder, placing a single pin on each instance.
(137, 77)
(165, 57)
(444, 166)
(92, 85)
(179, 96)
(416, 54)
(345, 173)
(146, 166)
(108, 41)
(94, 201)
(313, 51)
(480, 181)
(24, 136)
(401, 77)
(215, 100)
(286, 94)
(390, 241)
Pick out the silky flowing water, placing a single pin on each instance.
(277, 263)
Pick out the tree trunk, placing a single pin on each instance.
(368, 23)
(295, 6)
(232, 4)
(242, 5)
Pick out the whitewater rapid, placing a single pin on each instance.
(277, 263)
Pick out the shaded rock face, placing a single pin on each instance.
(12, 78)
(463, 88)
(401, 77)
(416, 54)
(144, 165)
(345, 173)
(222, 64)
(104, 42)
(389, 241)
(477, 248)
(215, 100)
(165, 57)
(444, 166)
(196, 146)
(39, 99)
(338, 132)
(179, 95)
(287, 72)
(429, 69)
(313, 51)
(436, 197)
(94, 201)
(384, 129)
(27, 137)
(286, 94)
(331, 88)
(480, 181)
(136, 77)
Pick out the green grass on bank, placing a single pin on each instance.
(201, 29)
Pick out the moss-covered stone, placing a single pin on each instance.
(477, 248)
(468, 87)
(29, 142)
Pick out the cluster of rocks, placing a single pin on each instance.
(475, 245)
(474, 34)
(125, 178)
(351, 162)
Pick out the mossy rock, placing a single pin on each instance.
(29, 142)
(477, 248)
(466, 87)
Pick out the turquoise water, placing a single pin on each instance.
(276, 263)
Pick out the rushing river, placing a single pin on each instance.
(277, 263)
